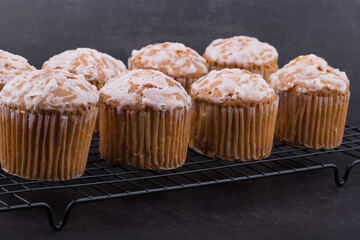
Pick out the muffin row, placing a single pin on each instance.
(146, 117)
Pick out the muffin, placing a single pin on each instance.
(12, 65)
(96, 67)
(145, 121)
(242, 52)
(233, 115)
(313, 103)
(173, 59)
(47, 118)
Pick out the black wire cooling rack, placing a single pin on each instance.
(103, 181)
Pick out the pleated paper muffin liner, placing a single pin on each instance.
(186, 83)
(97, 125)
(98, 85)
(144, 139)
(45, 146)
(311, 121)
(265, 70)
(231, 132)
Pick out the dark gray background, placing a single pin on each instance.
(303, 206)
(329, 28)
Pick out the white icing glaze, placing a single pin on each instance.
(309, 73)
(49, 90)
(12, 65)
(173, 59)
(141, 88)
(232, 84)
(240, 50)
(94, 65)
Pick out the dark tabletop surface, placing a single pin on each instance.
(298, 206)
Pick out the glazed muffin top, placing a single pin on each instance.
(232, 87)
(241, 51)
(49, 90)
(97, 67)
(140, 89)
(173, 59)
(12, 65)
(310, 74)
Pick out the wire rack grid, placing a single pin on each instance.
(103, 181)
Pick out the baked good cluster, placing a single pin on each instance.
(231, 103)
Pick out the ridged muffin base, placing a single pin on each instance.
(144, 139)
(45, 146)
(232, 132)
(264, 70)
(186, 83)
(311, 121)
